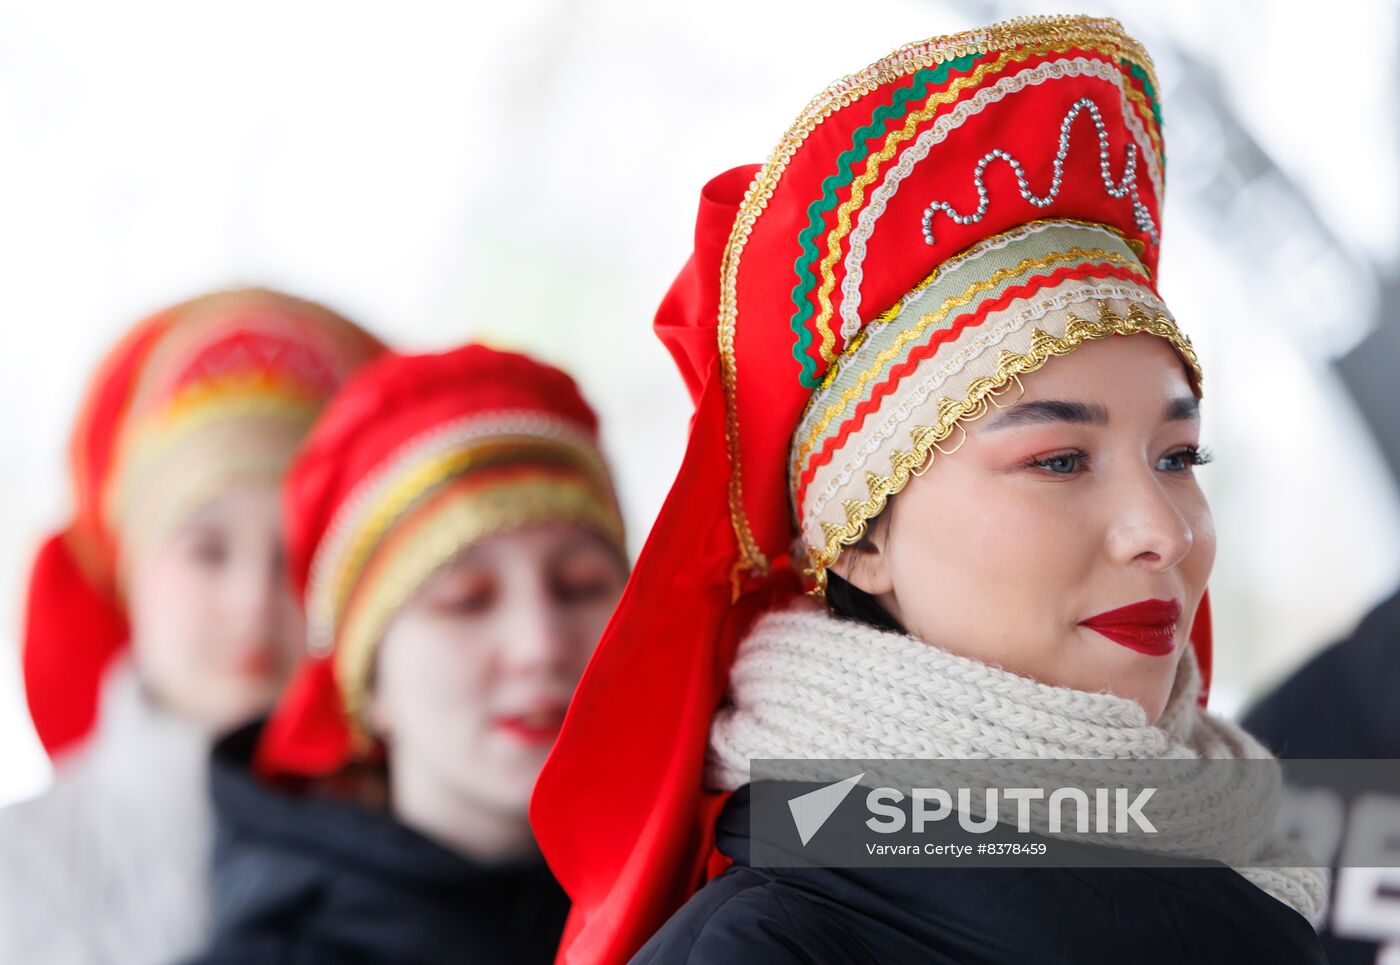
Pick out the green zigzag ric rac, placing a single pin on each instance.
(845, 171)
(1140, 75)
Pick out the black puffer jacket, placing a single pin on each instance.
(305, 878)
(945, 916)
(1342, 704)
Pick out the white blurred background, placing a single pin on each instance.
(527, 173)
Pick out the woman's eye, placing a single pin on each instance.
(1184, 459)
(208, 552)
(1061, 464)
(462, 599)
(472, 603)
(583, 591)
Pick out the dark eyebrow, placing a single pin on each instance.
(1036, 412)
(1051, 410)
(1184, 409)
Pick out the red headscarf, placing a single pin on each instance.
(453, 447)
(620, 810)
(244, 356)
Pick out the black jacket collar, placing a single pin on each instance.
(311, 875)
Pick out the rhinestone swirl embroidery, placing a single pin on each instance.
(1126, 187)
(919, 151)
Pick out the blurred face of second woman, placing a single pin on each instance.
(215, 628)
(473, 675)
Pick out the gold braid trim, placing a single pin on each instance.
(1010, 365)
(1101, 32)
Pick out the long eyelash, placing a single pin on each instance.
(1199, 455)
(1079, 454)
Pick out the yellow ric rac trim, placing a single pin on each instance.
(885, 356)
(435, 540)
(196, 407)
(895, 310)
(1103, 33)
(974, 405)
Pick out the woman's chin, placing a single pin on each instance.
(1150, 694)
(503, 790)
(236, 703)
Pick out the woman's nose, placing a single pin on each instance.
(1148, 527)
(538, 641)
(256, 596)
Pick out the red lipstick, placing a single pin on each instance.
(1148, 626)
(539, 727)
(256, 663)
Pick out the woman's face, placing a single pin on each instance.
(1076, 500)
(473, 676)
(215, 628)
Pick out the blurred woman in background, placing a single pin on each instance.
(160, 616)
(452, 528)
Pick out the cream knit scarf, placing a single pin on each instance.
(808, 685)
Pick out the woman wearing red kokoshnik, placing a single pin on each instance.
(453, 532)
(937, 389)
(158, 616)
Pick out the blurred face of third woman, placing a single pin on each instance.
(474, 674)
(215, 627)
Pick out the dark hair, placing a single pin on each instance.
(849, 601)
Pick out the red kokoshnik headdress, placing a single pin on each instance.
(213, 391)
(419, 457)
(929, 229)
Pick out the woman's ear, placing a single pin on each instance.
(865, 564)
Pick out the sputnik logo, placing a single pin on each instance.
(811, 810)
